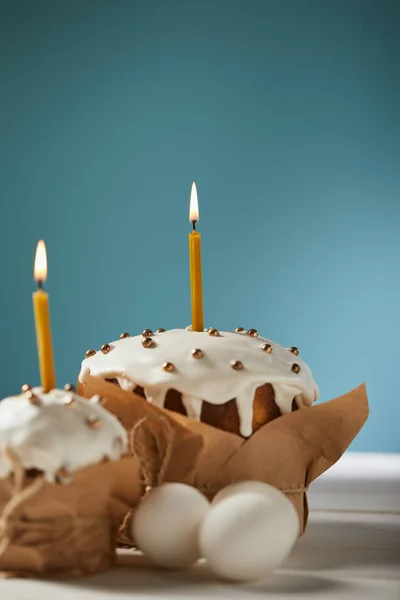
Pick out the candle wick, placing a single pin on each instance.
(40, 284)
(194, 225)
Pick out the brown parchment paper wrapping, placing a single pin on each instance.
(55, 530)
(288, 452)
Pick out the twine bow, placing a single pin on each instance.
(9, 517)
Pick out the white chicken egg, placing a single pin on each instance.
(166, 524)
(247, 534)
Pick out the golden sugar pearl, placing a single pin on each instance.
(62, 473)
(97, 400)
(168, 367)
(294, 350)
(124, 335)
(295, 368)
(26, 388)
(94, 423)
(34, 400)
(160, 330)
(90, 353)
(105, 349)
(240, 329)
(237, 365)
(147, 333)
(70, 401)
(252, 332)
(68, 387)
(197, 353)
(148, 342)
(213, 332)
(267, 348)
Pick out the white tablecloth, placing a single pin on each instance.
(351, 549)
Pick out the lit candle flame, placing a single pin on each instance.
(40, 269)
(194, 204)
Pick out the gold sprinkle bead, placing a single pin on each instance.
(168, 367)
(267, 348)
(90, 353)
(237, 365)
(34, 400)
(124, 335)
(213, 332)
(240, 330)
(26, 388)
(62, 473)
(294, 350)
(105, 349)
(68, 387)
(70, 401)
(148, 342)
(197, 353)
(147, 333)
(252, 332)
(295, 368)
(161, 330)
(94, 423)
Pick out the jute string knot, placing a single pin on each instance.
(9, 517)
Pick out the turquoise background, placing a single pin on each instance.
(287, 116)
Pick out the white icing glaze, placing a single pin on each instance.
(193, 406)
(210, 378)
(56, 435)
(244, 403)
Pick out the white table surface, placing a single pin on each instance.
(351, 549)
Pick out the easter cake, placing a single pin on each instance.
(235, 381)
(56, 460)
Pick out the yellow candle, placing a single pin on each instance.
(42, 321)
(196, 287)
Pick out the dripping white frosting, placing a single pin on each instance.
(193, 406)
(210, 378)
(55, 434)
